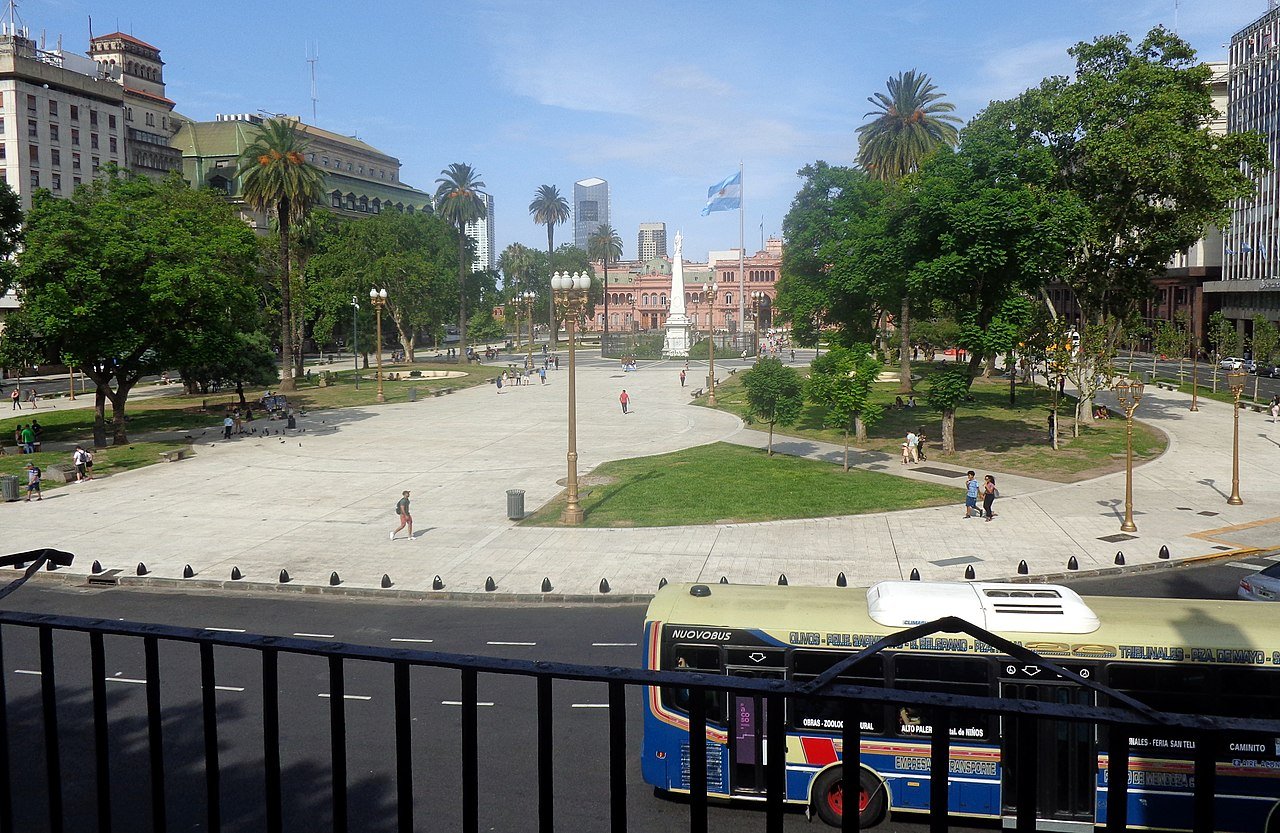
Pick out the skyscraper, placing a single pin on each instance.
(481, 234)
(651, 242)
(590, 209)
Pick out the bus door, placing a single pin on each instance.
(748, 740)
(1066, 759)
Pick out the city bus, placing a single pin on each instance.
(1217, 658)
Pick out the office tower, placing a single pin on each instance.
(481, 234)
(651, 242)
(590, 209)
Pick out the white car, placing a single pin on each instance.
(1262, 586)
(1231, 363)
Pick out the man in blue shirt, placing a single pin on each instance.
(971, 496)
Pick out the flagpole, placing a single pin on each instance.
(742, 254)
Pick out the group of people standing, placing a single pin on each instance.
(973, 490)
(913, 450)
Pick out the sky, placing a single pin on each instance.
(661, 99)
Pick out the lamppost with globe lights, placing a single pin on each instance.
(526, 299)
(757, 301)
(355, 336)
(1235, 381)
(1129, 394)
(570, 293)
(711, 341)
(378, 297)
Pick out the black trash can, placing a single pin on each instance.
(292, 421)
(413, 394)
(515, 504)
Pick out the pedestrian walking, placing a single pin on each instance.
(38, 430)
(15, 396)
(78, 460)
(498, 382)
(1275, 409)
(682, 377)
(970, 495)
(625, 400)
(542, 374)
(556, 361)
(913, 445)
(33, 482)
(1052, 425)
(921, 439)
(88, 464)
(989, 495)
(227, 424)
(28, 440)
(235, 417)
(402, 511)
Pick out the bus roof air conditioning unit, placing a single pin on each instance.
(1024, 608)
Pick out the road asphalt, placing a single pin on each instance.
(320, 500)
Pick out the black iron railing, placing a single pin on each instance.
(1122, 721)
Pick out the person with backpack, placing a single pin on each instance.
(402, 511)
(78, 460)
(33, 482)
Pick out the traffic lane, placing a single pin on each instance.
(1217, 579)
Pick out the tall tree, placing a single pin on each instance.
(277, 179)
(605, 246)
(841, 380)
(907, 125)
(516, 264)
(549, 209)
(775, 394)
(460, 200)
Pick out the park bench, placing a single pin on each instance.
(1166, 386)
(695, 394)
(174, 455)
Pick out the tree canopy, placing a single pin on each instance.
(775, 394)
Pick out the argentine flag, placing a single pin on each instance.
(724, 196)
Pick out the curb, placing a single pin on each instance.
(374, 593)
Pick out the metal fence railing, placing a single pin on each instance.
(63, 639)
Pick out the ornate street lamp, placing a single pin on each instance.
(1235, 381)
(711, 341)
(378, 297)
(355, 335)
(570, 293)
(757, 301)
(526, 300)
(1129, 394)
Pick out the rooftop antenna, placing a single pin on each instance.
(311, 59)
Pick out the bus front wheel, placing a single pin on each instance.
(829, 795)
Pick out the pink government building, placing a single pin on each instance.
(640, 292)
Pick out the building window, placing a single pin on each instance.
(54, 135)
(364, 204)
(57, 182)
(53, 108)
(75, 113)
(4, 148)
(95, 164)
(75, 181)
(336, 200)
(377, 206)
(114, 144)
(33, 154)
(93, 140)
(31, 104)
(93, 117)
(349, 166)
(75, 161)
(111, 121)
(164, 122)
(351, 202)
(151, 119)
(75, 137)
(1, 125)
(55, 157)
(35, 179)
(324, 160)
(33, 130)
(311, 157)
(128, 114)
(362, 170)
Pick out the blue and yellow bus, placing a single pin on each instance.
(1190, 657)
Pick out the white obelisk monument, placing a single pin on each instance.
(678, 326)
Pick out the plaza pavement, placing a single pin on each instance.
(321, 500)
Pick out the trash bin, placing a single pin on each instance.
(9, 490)
(291, 421)
(413, 394)
(515, 504)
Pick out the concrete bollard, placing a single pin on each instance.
(188, 572)
(1023, 569)
(50, 565)
(915, 574)
(386, 581)
(142, 569)
(782, 580)
(490, 585)
(236, 575)
(96, 568)
(724, 579)
(334, 579)
(662, 582)
(1072, 564)
(841, 581)
(1120, 559)
(546, 584)
(1164, 552)
(604, 585)
(437, 583)
(284, 577)
(969, 574)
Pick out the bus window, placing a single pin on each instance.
(704, 659)
(829, 714)
(949, 675)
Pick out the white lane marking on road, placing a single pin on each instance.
(1273, 557)
(459, 703)
(125, 680)
(25, 671)
(316, 635)
(589, 705)
(228, 688)
(614, 644)
(1253, 568)
(226, 630)
(407, 639)
(348, 696)
(523, 644)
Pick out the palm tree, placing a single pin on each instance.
(909, 123)
(515, 263)
(460, 200)
(605, 246)
(549, 209)
(276, 178)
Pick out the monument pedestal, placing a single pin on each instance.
(679, 337)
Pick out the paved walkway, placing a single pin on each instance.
(322, 500)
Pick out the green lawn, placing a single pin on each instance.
(106, 461)
(990, 434)
(730, 483)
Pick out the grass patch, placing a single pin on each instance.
(183, 413)
(990, 433)
(730, 483)
(106, 461)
